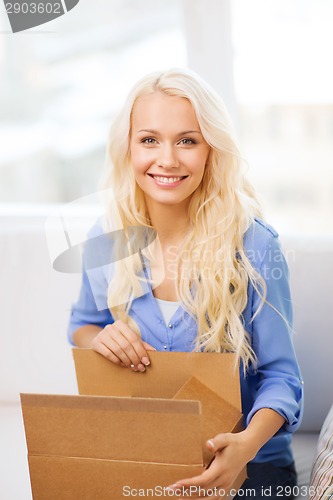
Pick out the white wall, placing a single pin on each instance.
(35, 302)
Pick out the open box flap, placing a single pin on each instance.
(157, 431)
(167, 373)
(218, 415)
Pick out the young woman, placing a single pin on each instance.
(214, 278)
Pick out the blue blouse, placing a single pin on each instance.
(276, 381)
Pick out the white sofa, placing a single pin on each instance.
(35, 357)
(311, 267)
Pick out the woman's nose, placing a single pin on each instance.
(168, 157)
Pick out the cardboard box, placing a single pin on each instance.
(130, 434)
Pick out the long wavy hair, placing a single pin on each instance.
(213, 270)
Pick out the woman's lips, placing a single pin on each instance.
(167, 181)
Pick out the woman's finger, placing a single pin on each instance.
(218, 442)
(136, 342)
(207, 478)
(105, 351)
(125, 346)
(123, 350)
(148, 347)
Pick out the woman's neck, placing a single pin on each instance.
(170, 221)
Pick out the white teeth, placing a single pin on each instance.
(167, 180)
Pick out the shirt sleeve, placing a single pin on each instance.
(280, 386)
(85, 311)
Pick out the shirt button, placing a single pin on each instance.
(165, 347)
(170, 325)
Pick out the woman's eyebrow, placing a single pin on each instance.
(150, 131)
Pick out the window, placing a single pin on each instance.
(284, 89)
(63, 82)
(61, 85)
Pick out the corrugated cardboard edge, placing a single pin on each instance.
(105, 403)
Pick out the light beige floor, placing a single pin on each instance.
(14, 473)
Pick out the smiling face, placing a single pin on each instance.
(168, 151)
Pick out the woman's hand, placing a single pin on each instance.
(119, 344)
(232, 453)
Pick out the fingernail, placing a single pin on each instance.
(141, 368)
(210, 443)
(145, 361)
(134, 368)
(172, 487)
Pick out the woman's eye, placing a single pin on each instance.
(148, 140)
(187, 142)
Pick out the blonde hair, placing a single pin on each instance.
(220, 211)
